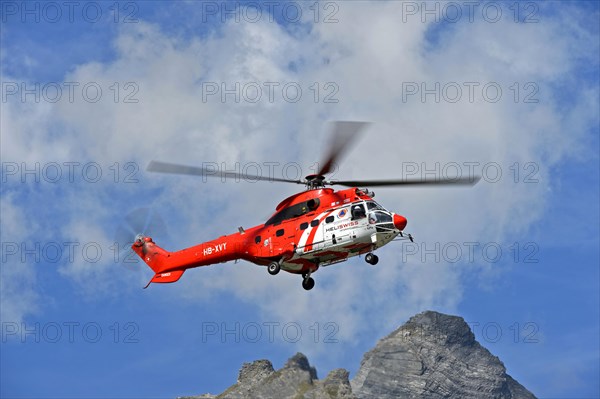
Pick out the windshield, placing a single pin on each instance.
(372, 205)
(379, 217)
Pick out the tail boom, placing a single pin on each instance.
(170, 266)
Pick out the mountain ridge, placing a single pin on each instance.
(432, 355)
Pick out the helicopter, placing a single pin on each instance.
(311, 229)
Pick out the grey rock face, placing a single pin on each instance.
(335, 385)
(297, 379)
(255, 371)
(432, 356)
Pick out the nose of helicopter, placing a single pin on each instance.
(399, 221)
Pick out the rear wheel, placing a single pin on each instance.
(308, 283)
(273, 268)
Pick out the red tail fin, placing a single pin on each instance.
(152, 254)
(157, 258)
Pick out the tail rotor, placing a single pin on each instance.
(136, 226)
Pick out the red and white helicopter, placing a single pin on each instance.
(314, 228)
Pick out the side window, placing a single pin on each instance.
(358, 211)
(303, 226)
(279, 233)
(314, 223)
(257, 239)
(329, 219)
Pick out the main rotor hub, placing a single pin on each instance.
(315, 181)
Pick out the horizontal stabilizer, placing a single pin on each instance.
(168, 277)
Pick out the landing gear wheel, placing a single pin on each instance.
(308, 283)
(371, 258)
(273, 268)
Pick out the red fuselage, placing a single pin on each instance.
(309, 229)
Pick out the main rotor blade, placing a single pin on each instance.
(343, 134)
(460, 181)
(164, 167)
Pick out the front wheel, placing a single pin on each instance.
(273, 268)
(308, 283)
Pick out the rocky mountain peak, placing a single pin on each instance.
(300, 361)
(256, 370)
(433, 355)
(443, 328)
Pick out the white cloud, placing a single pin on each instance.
(18, 294)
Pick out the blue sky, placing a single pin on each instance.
(100, 335)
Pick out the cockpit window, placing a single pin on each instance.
(379, 217)
(358, 211)
(382, 220)
(372, 205)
